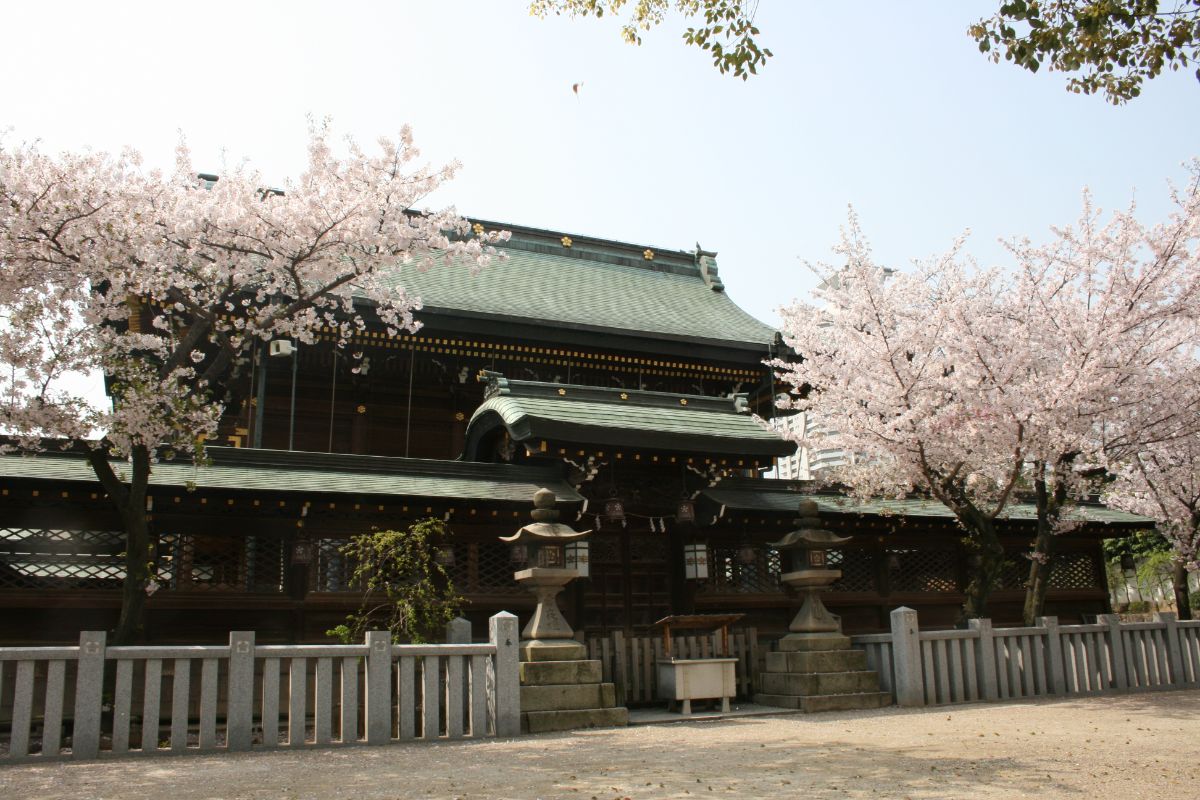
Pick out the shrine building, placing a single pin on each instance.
(622, 377)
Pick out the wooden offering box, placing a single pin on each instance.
(687, 679)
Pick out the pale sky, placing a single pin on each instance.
(886, 106)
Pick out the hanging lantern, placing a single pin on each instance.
(518, 554)
(1128, 564)
(614, 509)
(577, 557)
(893, 562)
(695, 561)
(686, 511)
(445, 555)
(747, 554)
(302, 551)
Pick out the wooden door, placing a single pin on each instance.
(629, 585)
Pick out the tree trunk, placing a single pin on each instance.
(1050, 498)
(986, 564)
(1179, 579)
(1039, 575)
(130, 501)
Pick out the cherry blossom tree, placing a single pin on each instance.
(884, 369)
(1104, 316)
(1162, 481)
(976, 387)
(164, 282)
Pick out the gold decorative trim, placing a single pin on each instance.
(545, 355)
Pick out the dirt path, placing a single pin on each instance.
(1134, 746)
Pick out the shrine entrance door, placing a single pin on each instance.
(630, 581)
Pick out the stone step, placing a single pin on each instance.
(826, 702)
(815, 683)
(817, 661)
(548, 673)
(814, 641)
(568, 697)
(546, 721)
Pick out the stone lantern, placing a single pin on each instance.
(547, 636)
(814, 667)
(809, 572)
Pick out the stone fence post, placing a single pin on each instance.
(1174, 652)
(239, 714)
(506, 680)
(906, 658)
(89, 681)
(1116, 647)
(985, 658)
(1054, 655)
(379, 687)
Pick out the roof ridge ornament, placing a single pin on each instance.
(497, 384)
(706, 260)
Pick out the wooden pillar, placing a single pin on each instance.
(626, 583)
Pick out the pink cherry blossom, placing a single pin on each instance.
(164, 282)
(978, 386)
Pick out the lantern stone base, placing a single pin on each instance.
(566, 695)
(551, 650)
(819, 672)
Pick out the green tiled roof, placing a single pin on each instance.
(593, 285)
(615, 417)
(780, 499)
(319, 473)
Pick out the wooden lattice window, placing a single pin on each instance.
(330, 569)
(1071, 571)
(495, 570)
(858, 570)
(206, 562)
(39, 558)
(744, 569)
(1015, 571)
(1075, 571)
(924, 570)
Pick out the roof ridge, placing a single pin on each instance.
(352, 462)
(499, 385)
(525, 237)
(222, 456)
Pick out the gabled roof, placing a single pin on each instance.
(530, 410)
(594, 285)
(286, 472)
(780, 496)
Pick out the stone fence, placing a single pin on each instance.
(985, 663)
(81, 701)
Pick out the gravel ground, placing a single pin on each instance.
(1131, 746)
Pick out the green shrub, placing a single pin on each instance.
(405, 589)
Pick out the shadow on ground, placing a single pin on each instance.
(1043, 749)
